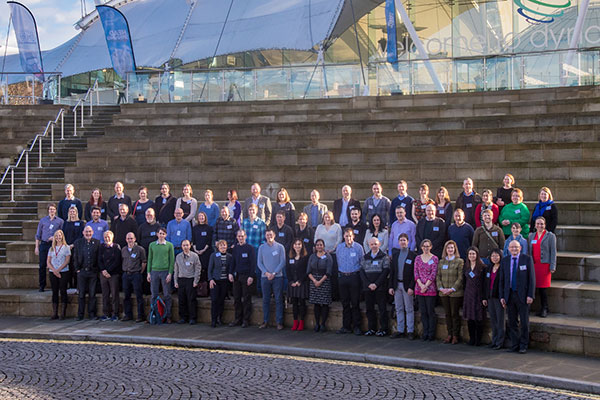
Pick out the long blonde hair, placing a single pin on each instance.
(54, 239)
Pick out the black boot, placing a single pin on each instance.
(472, 332)
(54, 311)
(63, 311)
(478, 332)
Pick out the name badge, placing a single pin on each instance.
(189, 201)
(471, 274)
(306, 240)
(261, 205)
(77, 224)
(292, 261)
(517, 211)
(323, 257)
(436, 228)
(275, 253)
(244, 255)
(523, 267)
(218, 254)
(409, 261)
(469, 205)
(187, 263)
(102, 211)
(282, 205)
(494, 233)
(430, 262)
(356, 231)
(376, 262)
(352, 254)
(534, 241)
(351, 207)
(424, 206)
(487, 275)
(229, 226)
(133, 255)
(203, 234)
(403, 205)
(51, 226)
(255, 226)
(548, 208)
(138, 208)
(441, 211)
(281, 234)
(178, 233)
(73, 205)
(370, 207)
(164, 200)
(100, 229)
(152, 233)
(445, 266)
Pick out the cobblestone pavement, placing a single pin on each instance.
(43, 369)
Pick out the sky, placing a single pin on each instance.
(55, 20)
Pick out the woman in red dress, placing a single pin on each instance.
(542, 247)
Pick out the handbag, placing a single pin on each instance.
(202, 289)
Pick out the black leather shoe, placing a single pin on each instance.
(522, 351)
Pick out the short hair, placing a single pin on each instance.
(109, 233)
(330, 217)
(142, 188)
(398, 207)
(496, 251)
(280, 212)
(460, 211)
(424, 186)
(165, 184)
(205, 217)
(270, 230)
(349, 230)
(519, 192)
(68, 185)
(542, 218)
(243, 232)
(161, 229)
(96, 208)
(302, 214)
(488, 191)
(51, 205)
(209, 191)
(516, 225)
(512, 178)
(402, 181)
(220, 242)
(488, 211)
(123, 205)
(320, 240)
(187, 240)
(376, 183)
(130, 233)
(425, 241)
(403, 235)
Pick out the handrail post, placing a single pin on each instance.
(91, 102)
(62, 124)
(52, 138)
(40, 156)
(75, 121)
(12, 185)
(82, 103)
(26, 167)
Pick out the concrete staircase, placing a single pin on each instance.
(39, 191)
(544, 137)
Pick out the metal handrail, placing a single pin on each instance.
(25, 153)
(81, 104)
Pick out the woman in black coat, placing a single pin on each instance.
(491, 299)
(473, 311)
(297, 282)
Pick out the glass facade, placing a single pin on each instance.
(471, 45)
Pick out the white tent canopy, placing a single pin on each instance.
(157, 25)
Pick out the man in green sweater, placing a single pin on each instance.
(161, 261)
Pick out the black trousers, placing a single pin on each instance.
(543, 298)
(110, 294)
(86, 283)
(43, 251)
(321, 312)
(428, 318)
(349, 288)
(298, 308)
(133, 281)
(217, 297)
(518, 311)
(378, 297)
(60, 285)
(242, 299)
(188, 306)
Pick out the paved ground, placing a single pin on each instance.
(539, 368)
(73, 370)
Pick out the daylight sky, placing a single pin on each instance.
(55, 20)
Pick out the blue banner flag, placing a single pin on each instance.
(118, 40)
(27, 39)
(392, 42)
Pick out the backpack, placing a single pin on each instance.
(157, 311)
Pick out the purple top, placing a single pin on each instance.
(426, 271)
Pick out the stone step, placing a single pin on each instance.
(573, 298)
(578, 238)
(559, 333)
(578, 266)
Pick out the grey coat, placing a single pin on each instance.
(548, 249)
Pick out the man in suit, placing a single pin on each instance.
(262, 202)
(517, 289)
(342, 207)
(315, 210)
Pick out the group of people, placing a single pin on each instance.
(488, 252)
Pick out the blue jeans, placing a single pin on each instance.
(133, 281)
(275, 286)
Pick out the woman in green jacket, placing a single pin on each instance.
(449, 282)
(516, 211)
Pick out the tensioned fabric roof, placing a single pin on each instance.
(159, 31)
